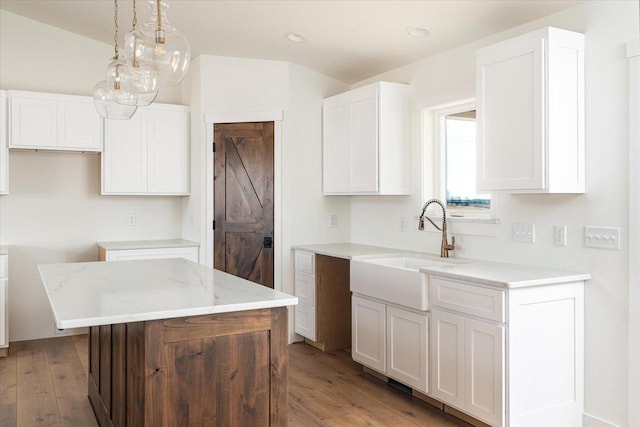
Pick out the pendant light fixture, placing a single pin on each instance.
(115, 97)
(159, 45)
(144, 78)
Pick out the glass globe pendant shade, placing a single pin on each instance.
(107, 106)
(160, 45)
(145, 82)
(120, 83)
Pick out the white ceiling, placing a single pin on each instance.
(348, 40)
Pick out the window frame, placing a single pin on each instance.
(434, 159)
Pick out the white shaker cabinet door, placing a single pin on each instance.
(484, 370)
(4, 315)
(4, 150)
(79, 125)
(407, 347)
(336, 148)
(447, 358)
(363, 172)
(168, 151)
(124, 159)
(368, 319)
(34, 122)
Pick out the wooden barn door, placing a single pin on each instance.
(243, 200)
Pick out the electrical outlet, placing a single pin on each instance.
(131, 220)
(560, 235)
(333, 221)
(602, 237)
(525, 233)
(403, 223)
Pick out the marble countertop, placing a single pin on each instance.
(103, 293)
(349, 250)
(503, 275)
(148, 244)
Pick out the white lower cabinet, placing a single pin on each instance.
(391, 340)
(468, 365)
(509, 357)
(4, 304)
(369, 333)
(136, 250)
(407, 343)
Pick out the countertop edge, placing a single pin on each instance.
(173, 314)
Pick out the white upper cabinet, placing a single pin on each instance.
(365, 141)
(53, 122)
(530, 113)
(4, 150)
(148, 154)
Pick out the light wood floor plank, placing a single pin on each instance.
(36, 400)
(44, 383)
(8, 389)
(70, 384)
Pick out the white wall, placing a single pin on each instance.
(239, 85)
(608, 26)
(54, 212)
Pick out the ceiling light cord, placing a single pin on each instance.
(115, 33)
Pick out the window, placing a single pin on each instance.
(450, 147)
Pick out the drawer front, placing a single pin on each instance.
(468, 299)
(305, 262)
(4, 265)
(305, 321)
(190, 254)
(305, 288)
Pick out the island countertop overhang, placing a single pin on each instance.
(103, 293)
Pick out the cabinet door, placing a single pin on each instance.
(124, 158)
(510, 125)
(4, 151)
(305, 321)
(33, 122)
(447, 358)
(4, 314)
(335, 146)
(363, 155)
(407, 341)
(168, 145)
(79, 126)
(484, 370)
(368, 335)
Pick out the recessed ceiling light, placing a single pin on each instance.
(417, 31)
(296, 38)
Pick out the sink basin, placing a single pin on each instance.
(410, 262)
(395, 278)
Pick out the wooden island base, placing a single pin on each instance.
(225, 369)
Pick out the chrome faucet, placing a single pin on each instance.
(445, 247)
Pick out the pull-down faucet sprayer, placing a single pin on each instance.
(445, 247)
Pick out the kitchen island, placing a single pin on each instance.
(173, 342)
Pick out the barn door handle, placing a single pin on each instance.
(267, 242)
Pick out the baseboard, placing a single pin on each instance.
(593, 421)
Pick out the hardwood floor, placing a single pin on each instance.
(44, 383)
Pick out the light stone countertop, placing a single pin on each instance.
(497, 274)
(103, 293)
(350, 250)
(148, 244)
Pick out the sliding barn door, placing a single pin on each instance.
(243, 200)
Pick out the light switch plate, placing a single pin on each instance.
(525, 233)
(560, 235)
(602, 237)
